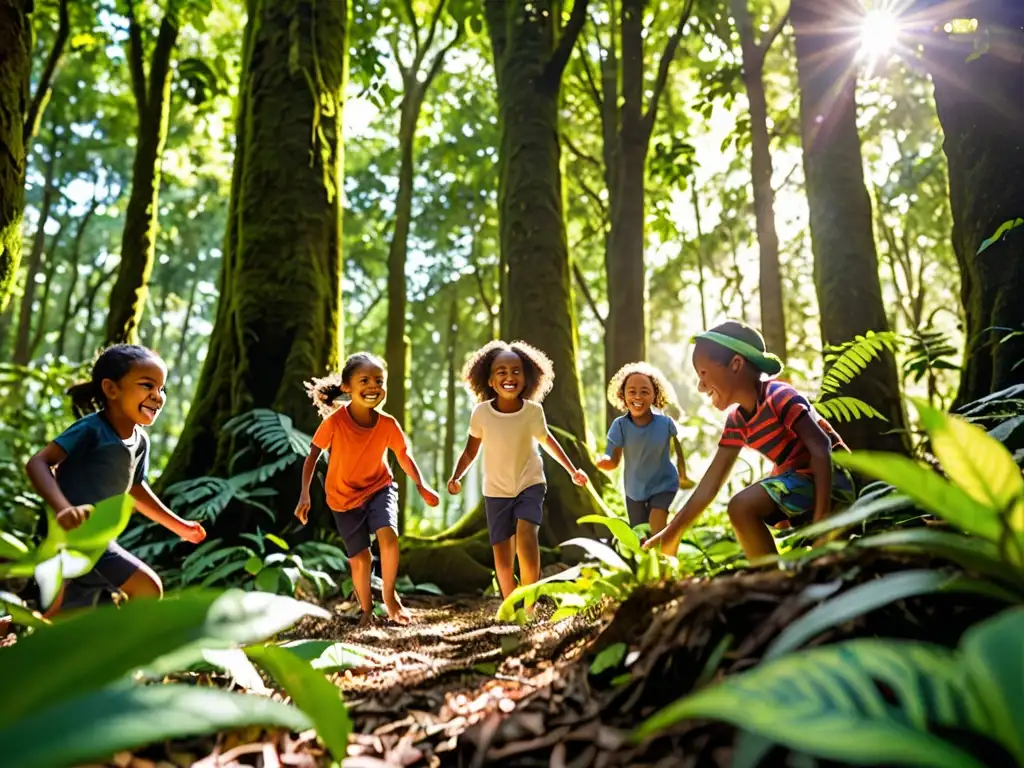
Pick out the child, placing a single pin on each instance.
(509, 381)
(360, 487)
(106, 453)
(644, 437)
(775, 420)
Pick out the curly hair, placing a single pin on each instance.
(327, 391)
(663, 390)
(537, 369)
(113, 363)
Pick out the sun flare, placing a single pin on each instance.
(880, 31)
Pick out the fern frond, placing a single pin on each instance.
(846, 409)
(848, 360)
(272, 431)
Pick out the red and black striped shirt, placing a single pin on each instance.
(769, 431)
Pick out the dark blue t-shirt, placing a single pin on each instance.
(99, 463)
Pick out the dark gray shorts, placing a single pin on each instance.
(502, 513)
(379, 511)
(113, 569)
(640, 511)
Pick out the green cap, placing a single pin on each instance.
(765, 362)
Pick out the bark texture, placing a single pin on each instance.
(537, 305)
(980, 105)
(279, 316)
(842, 237)
(15, 70)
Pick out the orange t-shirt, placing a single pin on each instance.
(358, 467)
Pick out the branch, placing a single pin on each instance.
(45, 87)
(785, 181)
(594, 90)
(159, 68)
(769, 39)
(435, 20)
(407, 4)
(663, 66)
(403, 70)
(570, 34)
(135, 64)
(581, 154)
(438, 62)
(581, 281)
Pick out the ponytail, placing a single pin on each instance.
(113, 363)
(86, 397)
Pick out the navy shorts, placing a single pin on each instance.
(113, 569)
(503, 512)
(640, 511)
(379, 511)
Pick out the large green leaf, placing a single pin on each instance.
(86, 651)
(977, 463)
(599, 551)
(859, 600)
(860, 512)
(835, 708)
(94, 726)
(993, 653)
(108, 520)
(619, 528)
(928, 490)
(311, 692)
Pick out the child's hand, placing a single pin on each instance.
(580, 477)
(302, 509)
(193, 532)
(454, 486)
(72, 517)
(666, 539)
(685, 483)
(605, 463)
(429, 495)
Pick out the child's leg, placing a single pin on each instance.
(143, 583)
(388, 541)
(528, 549)
(659, 505)
(355, 535)
(659, 519)
(747, 511)
(504, 562)
(360, 566)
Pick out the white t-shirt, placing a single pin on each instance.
(510, 446)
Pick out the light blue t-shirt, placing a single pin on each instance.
(100, 464)
(646, 452)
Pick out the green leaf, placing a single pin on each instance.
(1006, 226)
(609, 658)
(11, 548)
(857, 601)
(19, 612)
(619, 529)
(311, 692)
(600, 551)
(928, 490)
(237, 664)
(978, 463)
(269, 580)
(253, 565)
(108, 520)
(859, 513)
(95, 726)
(276, 540)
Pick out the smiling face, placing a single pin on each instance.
(719, 382)
(139, 394)
(508, 378)
(638, 394)
(367, 385)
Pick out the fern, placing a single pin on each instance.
(272, 431)
(846, 409)
(848, 360)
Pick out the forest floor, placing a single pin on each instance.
(458, 688)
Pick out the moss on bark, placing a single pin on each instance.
(279, 317)
(842, 237)
(15, 69)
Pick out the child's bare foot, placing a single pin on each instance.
(365, 619)
(397, 612)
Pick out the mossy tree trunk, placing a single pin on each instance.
(417, 78)
(138, 242)
(15, 70)
(980, 105)
(450, 392)
(279, 318)
(530, 53)
(842, 237)
(627, 125)
(773, 319)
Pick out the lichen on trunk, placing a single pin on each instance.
(842, 237)
(279, 319)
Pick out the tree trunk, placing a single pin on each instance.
(15, 70)
(537, 305)
(279, 316)
(842, 237)
(451, 387)
(773, 320)
(138, 242)
(35, 260)
(981, 110)
(72, 286)
(49, 273)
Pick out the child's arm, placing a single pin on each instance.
(553, 447)
(148, 504)
(609, 461)
(409, 466)
(684, 480)
(463, 464)
(820, 448)
(302, 508)
(40, 473)
(699, 500)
